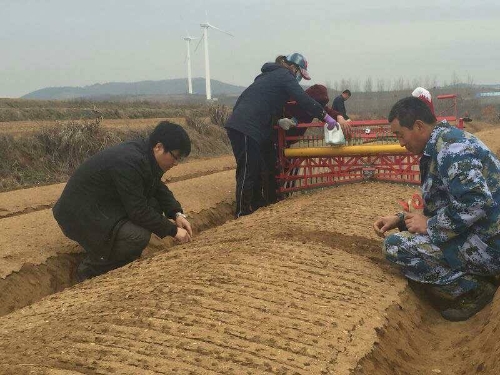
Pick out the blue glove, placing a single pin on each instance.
(331, 122)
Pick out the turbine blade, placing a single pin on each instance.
(198, 45)
(216, 28)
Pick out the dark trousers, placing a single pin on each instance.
(268, 173)
(129, 242)
(247, 153)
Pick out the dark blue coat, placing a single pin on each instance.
(339, 106)
(264, 99)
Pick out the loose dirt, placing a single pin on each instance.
(290, 289)
(36, 259)
(296, 288)
(491, 137)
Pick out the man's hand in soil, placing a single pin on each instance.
(416, 223)
(182, 235)
(383, 224)
(182, 222)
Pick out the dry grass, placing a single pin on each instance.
(40, 110)
(52, 152)
(23, 128)
(219, 114)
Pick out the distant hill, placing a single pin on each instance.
(134, 89)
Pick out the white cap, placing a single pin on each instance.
(420, 92)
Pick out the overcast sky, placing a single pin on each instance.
(76, 43)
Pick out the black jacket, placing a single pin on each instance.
(265, 98)
(339, 106)
(113, 186)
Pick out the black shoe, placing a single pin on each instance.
(471, 303)
(80, 275)
(438, 300)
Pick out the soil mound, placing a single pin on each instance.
(297, 288)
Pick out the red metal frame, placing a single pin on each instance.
(302, 173)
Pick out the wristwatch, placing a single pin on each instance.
(180, 214)
(401, 216)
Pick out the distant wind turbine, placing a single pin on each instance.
(188, 40)
(205, 26)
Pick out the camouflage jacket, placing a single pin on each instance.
(460, 186)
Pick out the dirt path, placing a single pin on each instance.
(35, 237)
(23, 201)
(17, 128)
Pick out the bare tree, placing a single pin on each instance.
(344, 84)
(428, 82)
(369, 85)
(388, 85)
(455, 80)
(435, 82)
(470, 80)
(399, 84)
(380, 85)
(355, 85)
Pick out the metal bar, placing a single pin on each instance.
(345, 150)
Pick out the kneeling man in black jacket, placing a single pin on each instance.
(116, 199)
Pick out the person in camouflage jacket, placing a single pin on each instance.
(452, 250)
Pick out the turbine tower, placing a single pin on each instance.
(188, 40)
(205, 26)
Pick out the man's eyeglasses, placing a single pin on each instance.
(176, 158)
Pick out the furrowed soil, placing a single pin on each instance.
(299, 287)
(37, 260)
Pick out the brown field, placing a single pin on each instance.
(296, 288)
(18, 128)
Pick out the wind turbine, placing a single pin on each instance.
(205, 26)
(188, 40)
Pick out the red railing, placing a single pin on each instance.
(307, 172)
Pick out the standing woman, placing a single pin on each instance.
(249, 127)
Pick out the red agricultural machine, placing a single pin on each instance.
(306, 162)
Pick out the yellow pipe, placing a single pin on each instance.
(345, 150)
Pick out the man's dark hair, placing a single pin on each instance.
(172, 137)
(410, 109)
(346, 91)
(280, 59)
